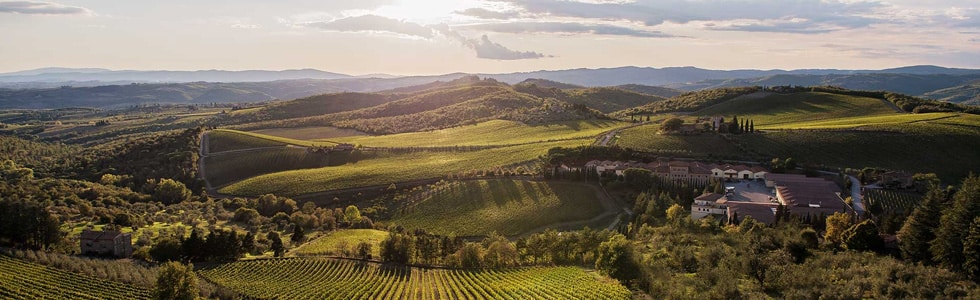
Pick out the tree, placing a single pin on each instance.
(166, 249)
(863, 237)
(278, 249)
(971, 250)
(752, 126)
(836, 225)
(298, 234)
(364, 250)
(920, 227)
(352, 214)
(947, 247)
(672, 124)
(676, 215)
(790, 164)
(733, 126)
(471, 256)
(176, 281)
(169, 191)
(614, 259)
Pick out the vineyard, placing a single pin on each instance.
(879, 201)
(388, 169)
(340, 241)
(509, 207)
(23, 280)
(324, 278)
(496, 132)
(645, 138)
(773, 110)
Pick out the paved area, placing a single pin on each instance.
(750, 191)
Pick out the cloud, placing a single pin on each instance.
(568, 28)
(484, 47)
(367, 23)
(490, 50)
(483, 13)
(40, 8)
(829, 15)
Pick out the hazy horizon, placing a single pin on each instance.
(401, 37)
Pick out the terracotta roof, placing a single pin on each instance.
(762, 212)
(91, 235)
(711, 197)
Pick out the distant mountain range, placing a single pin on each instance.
(65, 87)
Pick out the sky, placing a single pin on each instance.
(425, 37)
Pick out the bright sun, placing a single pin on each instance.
(425, 11)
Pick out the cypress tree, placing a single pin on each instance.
(920, 227)
(947, 247)
(971, 250)
(752, 126)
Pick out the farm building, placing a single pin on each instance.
(681, 170)
(106, 243)
(800, 195)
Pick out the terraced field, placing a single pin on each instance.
(323, 278)
(509, 207)
(24, 280)
(496, 132)
(331, 243)
(388, 169)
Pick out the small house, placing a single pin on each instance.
(106, 243)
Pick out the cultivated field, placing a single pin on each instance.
(387, 169)
(509, 207)
(24, 280)
(310, 133)
(333, 242)
(882, 121)
(231, 167)
(879, 201)
(323, 278)
(222, 140)
(646, 138)
(496, 132)
(779, 109)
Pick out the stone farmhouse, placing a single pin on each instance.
(106, 243)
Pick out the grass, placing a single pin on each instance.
(509, 207)
(387, 169)
(929, 148)
(778, 109)
(222, 140)
(332, 242)
(496, 132)
(881, 121)
(324, 278)
(25, 280)
(231, 167)
(310, 133)
(646, 138)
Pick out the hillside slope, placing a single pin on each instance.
(774, 109)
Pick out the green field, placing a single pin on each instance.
(324, 278)
(646, 138)
(231, 167)
(222, 140)
(950, 155)
(310, 133)
(509, 207)
(496, 132)
(331, 243)
(388, 169)
(24, 280)
(775, 110)
(895, 121)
